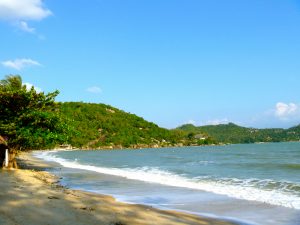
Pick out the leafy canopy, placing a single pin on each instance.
(29, 120)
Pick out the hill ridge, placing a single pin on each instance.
(233, 133)
(98, 125)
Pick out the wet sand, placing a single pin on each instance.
(34, 196)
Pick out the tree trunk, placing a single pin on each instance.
(12, 162)
(6, 158)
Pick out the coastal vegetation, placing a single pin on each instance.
(34, 120)
(103, 126)
(233, 134)
(29, 119)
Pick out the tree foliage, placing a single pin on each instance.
(232, 133)
(29, 120)
(11, 82)
(102, 125)
(33, 120)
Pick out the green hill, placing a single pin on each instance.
(103, 126)
(100, 125)
(232, 133)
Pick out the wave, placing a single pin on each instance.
(268, 191)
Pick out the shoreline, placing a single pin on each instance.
(34, 196)
(112, 148)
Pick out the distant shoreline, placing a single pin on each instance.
(105, 148)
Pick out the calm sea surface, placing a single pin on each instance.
(254, 183)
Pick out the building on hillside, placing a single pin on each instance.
(200, 137)
(65, 147)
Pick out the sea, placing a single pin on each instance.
(245, 183)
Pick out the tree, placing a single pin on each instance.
(29, 120)
(190, 135)
(11, 82)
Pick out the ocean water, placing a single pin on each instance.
(252, 184)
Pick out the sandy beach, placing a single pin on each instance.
(34, 196)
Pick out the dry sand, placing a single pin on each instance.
(29, 196)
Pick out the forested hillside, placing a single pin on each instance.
(34, 120)
(99, 125)
(232, 133)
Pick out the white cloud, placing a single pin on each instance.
(16, 10)
(94, 90)
(287, 111)
(191, 122)
(282, 115)
(19, 64)
(29, 86)
(216, 121)
(208, 122)
(24, 27)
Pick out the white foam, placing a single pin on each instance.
(237, 189)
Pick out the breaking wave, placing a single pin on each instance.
(281, 193)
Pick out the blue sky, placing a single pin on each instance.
(169, 61)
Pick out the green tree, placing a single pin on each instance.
(190, 135)
(29, 120)
(11, 82)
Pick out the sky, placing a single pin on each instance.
(169, 61)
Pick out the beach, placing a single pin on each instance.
(34, 196)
